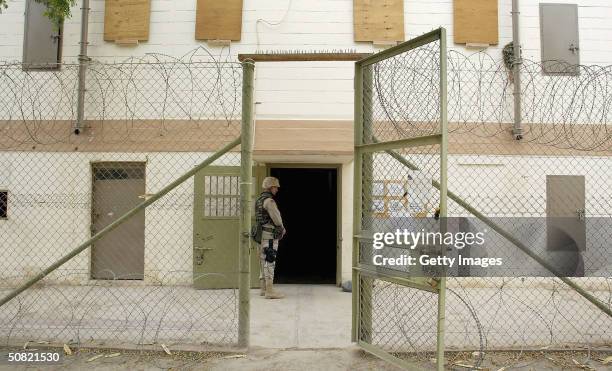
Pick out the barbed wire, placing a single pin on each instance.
(569, 112)
(36, 107)
(563, 111)
(159, 312)
(149, 120)
(488, 314)
(493, 176)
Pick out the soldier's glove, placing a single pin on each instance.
(278, 233)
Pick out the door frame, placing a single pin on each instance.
(338, 168)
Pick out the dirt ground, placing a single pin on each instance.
(518, 360)
(350, 358)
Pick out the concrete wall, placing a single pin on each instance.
(49, 213)
(304, 90)
(347, 221)
(497, 186)
(50, 203)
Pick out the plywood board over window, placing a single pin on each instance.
(378, 20)
(475, 22)
(127, 21)
(218, 20)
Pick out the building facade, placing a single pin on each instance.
(304, 117)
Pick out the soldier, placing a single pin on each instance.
(272, 230)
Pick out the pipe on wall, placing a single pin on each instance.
(517, 130)
(83, 60)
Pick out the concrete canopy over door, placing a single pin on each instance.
(303, 141)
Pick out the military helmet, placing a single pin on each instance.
(270, 182)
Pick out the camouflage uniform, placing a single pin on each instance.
(269, 217)
(267, 238)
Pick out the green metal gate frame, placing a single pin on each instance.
(363, 159)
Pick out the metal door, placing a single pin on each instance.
(215, 229)
(41, 44)
(565, 209)
(117, 188)
(216, 225)
(559, 38)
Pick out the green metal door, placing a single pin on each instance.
(215, 229)
(216, 222)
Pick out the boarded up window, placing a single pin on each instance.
(126, 20)
(378, 20)
(218, 20)
(475, 22)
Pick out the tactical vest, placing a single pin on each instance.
(262, 217)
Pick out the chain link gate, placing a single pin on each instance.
(400, 113)
(400, 171)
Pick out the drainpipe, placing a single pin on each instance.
(83, 60)
(517, 130)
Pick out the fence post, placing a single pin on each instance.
(367, 174)
(443, 196)
(357, 170)
(246, 175)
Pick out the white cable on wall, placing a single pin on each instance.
(271, 24)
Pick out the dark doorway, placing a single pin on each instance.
(307, 201)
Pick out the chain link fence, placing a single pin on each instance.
(566, 139)
(148, 121)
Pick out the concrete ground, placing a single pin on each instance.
(310, 316)
(309, 328)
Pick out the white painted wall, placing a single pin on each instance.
(49, 213)
(299, 90)
(50, 203)
(498, 186)
(347, 221)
